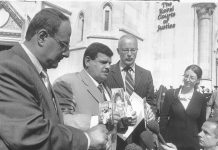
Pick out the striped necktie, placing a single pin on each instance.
(129, 81)
(47, 83)
(101, 89)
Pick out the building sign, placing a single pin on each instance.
(166, 13)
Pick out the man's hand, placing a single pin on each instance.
(98, 136)
(116, 117)
(133, 119)
(169, 146)
(130, 121)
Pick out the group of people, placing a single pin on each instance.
(34, 115)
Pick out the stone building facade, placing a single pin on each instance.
(171, 35)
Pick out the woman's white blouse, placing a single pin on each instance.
(185, 98)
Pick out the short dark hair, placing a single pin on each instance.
(196, 69)
(49, 19)
(95, 48)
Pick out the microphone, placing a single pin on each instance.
(154, 127)
(147, 140)
(133, 146)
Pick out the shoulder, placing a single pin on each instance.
(199, 95)
(114, 66)
(172, 93)
(11, 63)
(142, 69)
(66, 78)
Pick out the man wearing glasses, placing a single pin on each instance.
(131, 77)
(30, 117)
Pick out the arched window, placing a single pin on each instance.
(81, 25)
(107, 10)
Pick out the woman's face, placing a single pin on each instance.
(190, 79)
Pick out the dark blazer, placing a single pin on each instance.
(28, 119)
(143, 87)
(143, 82)
(181, 126)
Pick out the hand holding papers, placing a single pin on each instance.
(108, 117)
(132, 109)
(106, 114)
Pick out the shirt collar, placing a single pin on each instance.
(33, 59)
(186, 96)
(123, 66)
(95, 82)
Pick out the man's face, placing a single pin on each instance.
(99, 67)
(207, 137)
(58, 46)
(127, 51)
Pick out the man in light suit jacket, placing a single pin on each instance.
(78, 93)
(143, 83)
(30, 117)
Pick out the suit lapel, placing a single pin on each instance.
(116, 74)
(177, 102)
(108, 90)
(91, 87)
(193, 102)
(138, 76)
(18, 50)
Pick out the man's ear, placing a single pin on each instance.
(118, 51)
(41, 36)
(87, 61)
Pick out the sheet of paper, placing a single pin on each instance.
(138, 105)
(94, 121)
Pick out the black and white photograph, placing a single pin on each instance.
(74, 74)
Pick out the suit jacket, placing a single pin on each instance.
(143, 87)
(143, 82)
(77, 94)
(181, 126)
(28, 119)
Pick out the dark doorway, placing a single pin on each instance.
(5, 47)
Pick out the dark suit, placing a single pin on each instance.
(143, 87)
(181, 126)
(28, 119)
(143, 82)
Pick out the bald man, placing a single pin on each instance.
(141, 81)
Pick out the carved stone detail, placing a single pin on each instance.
(13, 13)
(204, 10)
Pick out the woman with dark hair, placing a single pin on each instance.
(184, 112)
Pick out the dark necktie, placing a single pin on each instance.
(129, 81)
(101, 89)
(47, 83)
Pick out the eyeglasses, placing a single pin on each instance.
(127, 50)
(62, 44)
(192, 78)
